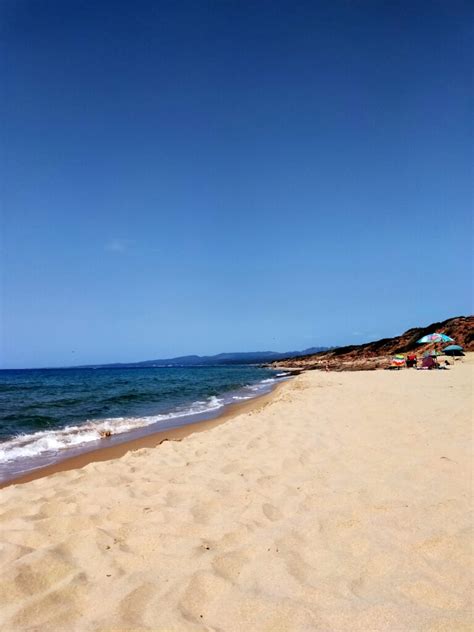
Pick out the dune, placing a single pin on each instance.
(341, 503)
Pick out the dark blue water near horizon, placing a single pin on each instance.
(40, 399)
(49, 414)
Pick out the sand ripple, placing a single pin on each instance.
(343, 504)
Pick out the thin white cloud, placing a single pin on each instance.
(118, 245)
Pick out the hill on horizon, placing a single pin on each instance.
(376, 354)
(249, 357)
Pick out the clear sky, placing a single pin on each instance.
(206, 176)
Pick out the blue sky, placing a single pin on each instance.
(197, 177)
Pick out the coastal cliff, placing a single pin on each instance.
(377, 354)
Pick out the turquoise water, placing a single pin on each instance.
(47, 415)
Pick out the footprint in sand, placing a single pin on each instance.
(134, 604)
(232, 467)
(271, 512)
(202, 591)
(205, 512)
(55, 610)
(429, 595)
(230, 565)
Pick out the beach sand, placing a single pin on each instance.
(340, 503)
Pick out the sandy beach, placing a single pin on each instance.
(341, 502)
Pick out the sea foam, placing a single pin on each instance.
(52, 441)
(26, 451)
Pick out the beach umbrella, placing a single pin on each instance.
(398, 360)
(434, 338)
(453, 350)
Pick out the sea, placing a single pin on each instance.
(48, 415)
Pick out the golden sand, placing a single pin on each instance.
(341, 504)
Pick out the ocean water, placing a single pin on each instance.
(47, 415)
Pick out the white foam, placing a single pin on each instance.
(53, 441)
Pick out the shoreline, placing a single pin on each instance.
(338, 501)
(152, 440)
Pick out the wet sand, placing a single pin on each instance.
(342, 503)
(109, 452)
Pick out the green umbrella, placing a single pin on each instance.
(453, 350)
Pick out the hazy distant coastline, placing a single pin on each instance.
(249, 357)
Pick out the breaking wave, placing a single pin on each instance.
(38, 427)
(52, 441)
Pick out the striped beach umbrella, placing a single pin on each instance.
(398, 360)
(436, 337)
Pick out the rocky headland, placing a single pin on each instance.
(378, 354)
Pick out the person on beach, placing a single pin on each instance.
(429, 363)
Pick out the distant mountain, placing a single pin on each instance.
(250, 357)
